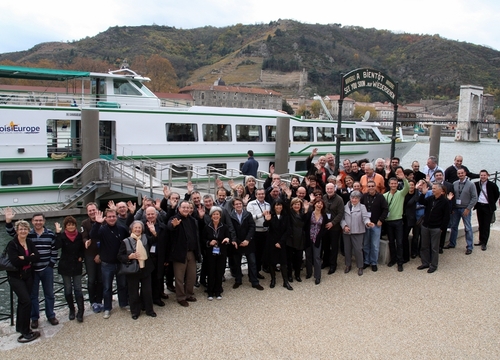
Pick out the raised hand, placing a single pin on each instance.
(201, 212)
(99, 217)
(231, 184)
(176, 221)
(131, 206)
(157, 204)
(9, 215)
(111, 205)
(314, 152)
(190, 187)
(58, 227)
(166, 191)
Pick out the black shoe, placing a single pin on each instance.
(164, 296)
(374, 268)
(391, 263)
(413, 256)
(431, 270)
(273, 283)
(298, 279)
(287, 286)
(331, 271)
(308, 276)
(72, 314)
(171, 288)
(324, 265)
(347, 269)
(197, 284)
(478, 244)
(191, 299)
(28, 337)
(448, 247)
(266, 270)
(54, 321)
(135, 317)
(290, 279)
(400, 267)
(236, 285)
(365, 266)
(441, 250)
(159, 303)
(317, 281)
(468, 252)
(260, 276)
(152, 314)
(258, 287)
(34, 324)
(422, 267)
(483, 247)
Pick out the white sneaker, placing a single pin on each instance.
(210, 298)
(107, 314)
(219, 297)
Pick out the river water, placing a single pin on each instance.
(476, 156)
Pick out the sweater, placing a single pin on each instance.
(465, 194)
(396, 202)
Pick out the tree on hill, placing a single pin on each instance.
(285, 106)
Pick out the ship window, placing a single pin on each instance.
(182, 132)
(325, 134)
(366, 135)
(249, 133)
(123, 87)
(180, 171)
(302, 133)
(217, 169)
(346, 134)
(59, 175)
(216, 132)
(16, 177)
(300, 166)
(270, 133)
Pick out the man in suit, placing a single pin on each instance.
(487, 194)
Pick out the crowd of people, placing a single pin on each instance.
(326, 212)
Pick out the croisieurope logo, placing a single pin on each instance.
(13, 128)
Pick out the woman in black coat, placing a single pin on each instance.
(278, 223)
(216, 237)
(70, 265)
(296, 240)
(136, 248)
(22, 253)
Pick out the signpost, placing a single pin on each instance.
(364, 78)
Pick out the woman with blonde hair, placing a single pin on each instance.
(22, 253)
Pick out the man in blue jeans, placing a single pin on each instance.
(110, 234)
(45, 242)
(465, 200)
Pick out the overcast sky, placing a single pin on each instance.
(25, 24)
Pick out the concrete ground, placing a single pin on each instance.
(450, 314)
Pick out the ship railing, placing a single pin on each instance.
(79, 100)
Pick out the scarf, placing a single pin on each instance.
(71, 235)
(141, 250)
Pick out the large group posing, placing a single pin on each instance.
(272, 226)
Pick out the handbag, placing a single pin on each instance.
(5, 264)
(131, 267)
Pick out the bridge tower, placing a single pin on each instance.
(470, 110)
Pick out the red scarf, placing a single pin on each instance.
(71, 235)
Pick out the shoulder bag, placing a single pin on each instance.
(132, 266)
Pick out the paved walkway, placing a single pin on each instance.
(451, 314)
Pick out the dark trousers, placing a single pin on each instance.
(156, 284)
(333, 235)
(313, 260)
(216, 268)
(395, 235)
(294, 259)
(94, 280)
(139, 282)
(22, 288)
(260, 238)
(484, 214)
(429, 251)
(414, 246)
(252, 267)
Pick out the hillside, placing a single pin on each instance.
(425, 66)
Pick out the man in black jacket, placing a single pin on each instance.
(436, 218)
(487, 193)
(450, 174)
(183, 251)
(335, 213)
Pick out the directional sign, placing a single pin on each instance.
(369, 79)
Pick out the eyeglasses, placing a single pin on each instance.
(371, 186)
